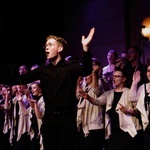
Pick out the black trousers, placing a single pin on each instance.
(147, 138)
(59, 131)
(94, 141)
(123, 141)
(4, 141)
(23, 143)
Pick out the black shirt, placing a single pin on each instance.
(58, 82)
(113, 114)
(129, 70)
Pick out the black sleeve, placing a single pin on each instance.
(87, 63)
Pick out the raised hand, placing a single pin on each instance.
(136, 77)
(85, 41)
(96, 68)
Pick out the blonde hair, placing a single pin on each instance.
(60, 40)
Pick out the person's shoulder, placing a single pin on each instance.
(105, 67)
(74, 62)
(141, 87)
(41, 99)
(43, 66)
(126, 89)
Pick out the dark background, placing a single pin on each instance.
(24, 26)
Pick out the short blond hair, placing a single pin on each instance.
(60, 40)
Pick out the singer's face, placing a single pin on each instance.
(110, 57)
(118, 79)
(148, 73)
(23, 69)
(36, 90)
(5, 91)
(132, 55)
(52, 49)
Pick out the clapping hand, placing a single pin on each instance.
(83, 94)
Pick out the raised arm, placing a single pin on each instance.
(7, 104)
(101, 100)
(133, 90)
(86, 41)
(95, 76)
(21, 104)
(87, 57)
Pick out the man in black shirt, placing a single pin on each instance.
(134, 63)
(58, 81)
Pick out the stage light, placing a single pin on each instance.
(145, 30)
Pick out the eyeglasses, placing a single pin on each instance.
(117, 76)
(49, 44)
(131, 52)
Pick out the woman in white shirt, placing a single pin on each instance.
(121, 124)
